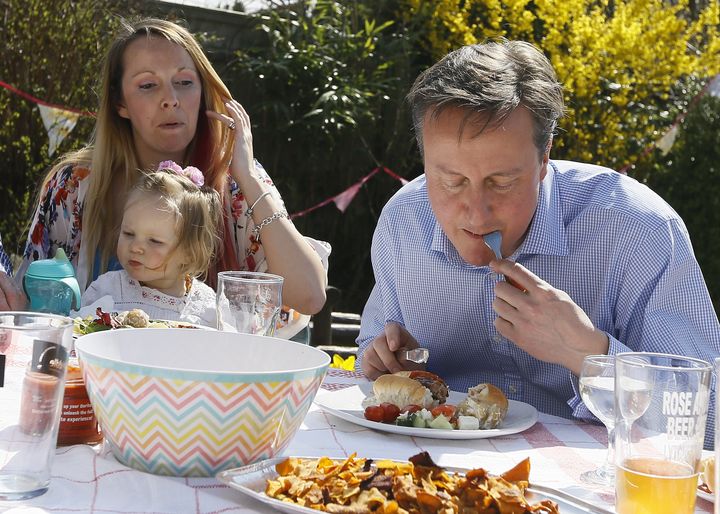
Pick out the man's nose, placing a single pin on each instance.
(478, 206)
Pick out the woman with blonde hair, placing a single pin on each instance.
(161, 100)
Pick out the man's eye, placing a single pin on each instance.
(503, 187)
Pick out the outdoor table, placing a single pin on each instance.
(86, 480)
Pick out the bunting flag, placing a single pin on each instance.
(664, 144)
(58, 124)
(59, 121)
(342, 200)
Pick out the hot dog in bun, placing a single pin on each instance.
(410, 388)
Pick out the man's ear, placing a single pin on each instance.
(546, 158)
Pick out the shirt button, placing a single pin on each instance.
(497, 338)
(512, 389)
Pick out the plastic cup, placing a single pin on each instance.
(661, 408)
(248, 302)
(35, 348)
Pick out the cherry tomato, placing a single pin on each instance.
(446, 410)
(410, 408)
(390, 412)
(374, 413)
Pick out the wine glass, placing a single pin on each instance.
(597, 389)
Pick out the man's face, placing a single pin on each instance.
(479, 183)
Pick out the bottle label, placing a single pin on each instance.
(49, 358)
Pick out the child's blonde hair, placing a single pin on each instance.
(197, 212)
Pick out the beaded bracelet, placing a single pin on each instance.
(275, 216)
(251, 209)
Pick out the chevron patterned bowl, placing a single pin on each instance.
(192, 403)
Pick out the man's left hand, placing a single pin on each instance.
(542, 320)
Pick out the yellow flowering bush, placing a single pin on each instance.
(627, 66)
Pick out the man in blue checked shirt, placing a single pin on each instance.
(603, 264)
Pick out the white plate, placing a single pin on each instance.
(706, 496)
(251, 481)
(346, 404)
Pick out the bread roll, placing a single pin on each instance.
(485, 402)
(708, 473)
(402, 391)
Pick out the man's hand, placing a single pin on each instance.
(11, 298)
(381, 356)
(544, 321)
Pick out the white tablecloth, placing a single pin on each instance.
(86, 481)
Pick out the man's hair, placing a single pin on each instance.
(489, 81)
(197, 212)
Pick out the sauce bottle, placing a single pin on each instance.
(78, 424)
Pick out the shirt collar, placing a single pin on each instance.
(546, 235)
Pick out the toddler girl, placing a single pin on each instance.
(167, 239)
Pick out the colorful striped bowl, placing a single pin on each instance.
(192, 403)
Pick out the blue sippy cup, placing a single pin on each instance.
(51, 286)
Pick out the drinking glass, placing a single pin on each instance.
(35, 350)
(661, 410)
(248, 302)
(597, 389)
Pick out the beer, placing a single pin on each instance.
(654, 486)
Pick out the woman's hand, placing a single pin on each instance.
(11, 298)
(243, 161)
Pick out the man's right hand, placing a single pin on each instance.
(381, 356)
(11, 298)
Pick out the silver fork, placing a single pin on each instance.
(493, 240)
(417, 355)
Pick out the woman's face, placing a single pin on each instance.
(161, 95)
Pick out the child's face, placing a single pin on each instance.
(147, 247)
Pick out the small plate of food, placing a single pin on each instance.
(707, 478)
(311, 484)
(420, 404)
(136, 318)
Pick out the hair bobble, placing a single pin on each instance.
(191, 172)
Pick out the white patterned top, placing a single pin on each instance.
(197, 306)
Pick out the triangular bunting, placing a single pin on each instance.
(664, 144)
(343, 199)
(58, 124)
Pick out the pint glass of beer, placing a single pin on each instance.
(661, 408)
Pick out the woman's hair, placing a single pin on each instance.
(489, 81)
(111, 152)
(196, 210)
